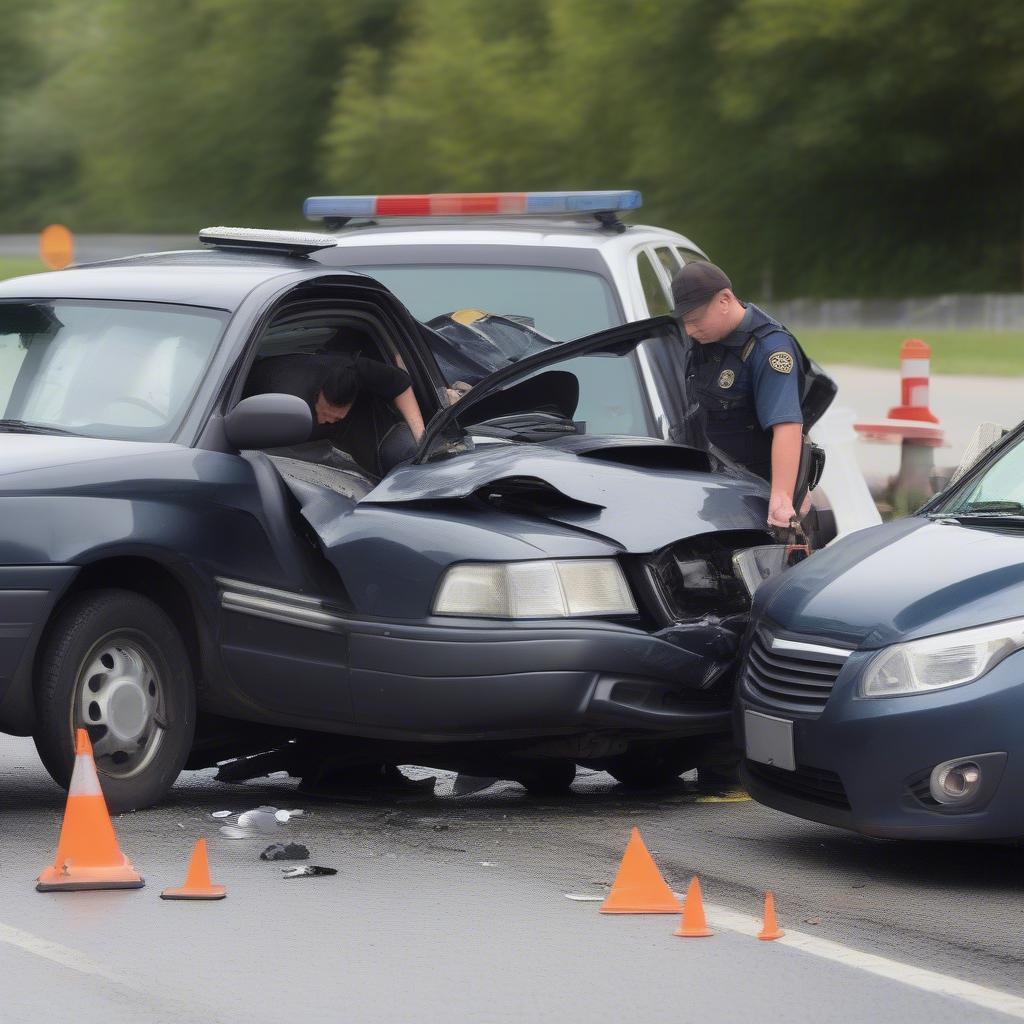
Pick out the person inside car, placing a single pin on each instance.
(345, 392)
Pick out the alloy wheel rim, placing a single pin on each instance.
(119, 701)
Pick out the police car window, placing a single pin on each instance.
(689, 256)
(654, 292)
(669, 260)
(563, 304)
(119, 370)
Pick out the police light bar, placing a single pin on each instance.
(472, 204)
(296, 243)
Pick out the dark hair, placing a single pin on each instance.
(339, 382)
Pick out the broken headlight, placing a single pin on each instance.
(756, 565)
(535, 590)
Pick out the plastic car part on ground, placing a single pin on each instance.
(285, 851)
(259, 822)
(307, 871)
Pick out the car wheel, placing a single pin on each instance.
(548, 778)
(114, 664)
(650, 765)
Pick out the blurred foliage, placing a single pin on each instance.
(854, 147)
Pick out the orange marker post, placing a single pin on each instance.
(56, 246)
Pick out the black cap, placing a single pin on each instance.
(697, 283)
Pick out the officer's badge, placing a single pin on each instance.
(726, 379)
(781, 362)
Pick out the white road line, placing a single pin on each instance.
(58, 954)
(905, 974)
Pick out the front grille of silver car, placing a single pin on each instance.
(793, 675)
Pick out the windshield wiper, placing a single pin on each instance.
(24, 427)
(986, 507)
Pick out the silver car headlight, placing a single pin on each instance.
(532, 590)
(937, 662)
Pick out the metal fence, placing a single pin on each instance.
(996, 312)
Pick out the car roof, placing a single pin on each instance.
(559, 233)
(212, 278)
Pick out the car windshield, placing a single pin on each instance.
(125, 370)
(563, 304)
(998, 492)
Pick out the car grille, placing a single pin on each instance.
(814, 784)
(791, 675)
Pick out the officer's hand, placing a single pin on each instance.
(780, 510)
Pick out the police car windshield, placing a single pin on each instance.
(563, 304)
(120, 370)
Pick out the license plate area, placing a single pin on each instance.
(769, 740)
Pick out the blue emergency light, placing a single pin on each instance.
(472, 204)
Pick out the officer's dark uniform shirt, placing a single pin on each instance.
(745, 384)
(302, 374)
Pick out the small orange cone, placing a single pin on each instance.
(88, 856)
(197, 882)
(639, 887)
(694, 925)
(771, 929)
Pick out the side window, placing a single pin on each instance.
(689, 256)
(669, 260)
(654, 292)
(12, 355)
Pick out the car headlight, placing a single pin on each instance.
(532, 590)
(937, 662)
(755, 566)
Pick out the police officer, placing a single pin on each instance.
(744, 373)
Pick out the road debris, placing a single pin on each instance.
(307, 871)
(579, 897)
(222, 814)
(285, 851)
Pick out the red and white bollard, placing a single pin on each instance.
(913, 424)
(915, 370)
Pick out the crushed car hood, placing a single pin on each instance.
(637, 507)
(899, 581)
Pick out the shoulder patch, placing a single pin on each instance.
(781, 362)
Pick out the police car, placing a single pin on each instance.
(568, 265)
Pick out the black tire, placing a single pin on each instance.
(548, 778)
(650, 765)
(131, 625)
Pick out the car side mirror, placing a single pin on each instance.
(268, 421)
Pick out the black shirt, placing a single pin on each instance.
(302, 374)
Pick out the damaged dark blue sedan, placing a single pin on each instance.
(190, 579)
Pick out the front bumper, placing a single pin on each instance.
(863, 764)
(452, 680)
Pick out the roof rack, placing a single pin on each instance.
(337, 211)
(292, 243)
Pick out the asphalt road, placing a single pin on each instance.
(454, 909)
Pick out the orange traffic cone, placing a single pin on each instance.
(694, 925)
(88, 856)
(639, 887)
(771, 929)
(197, 882)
